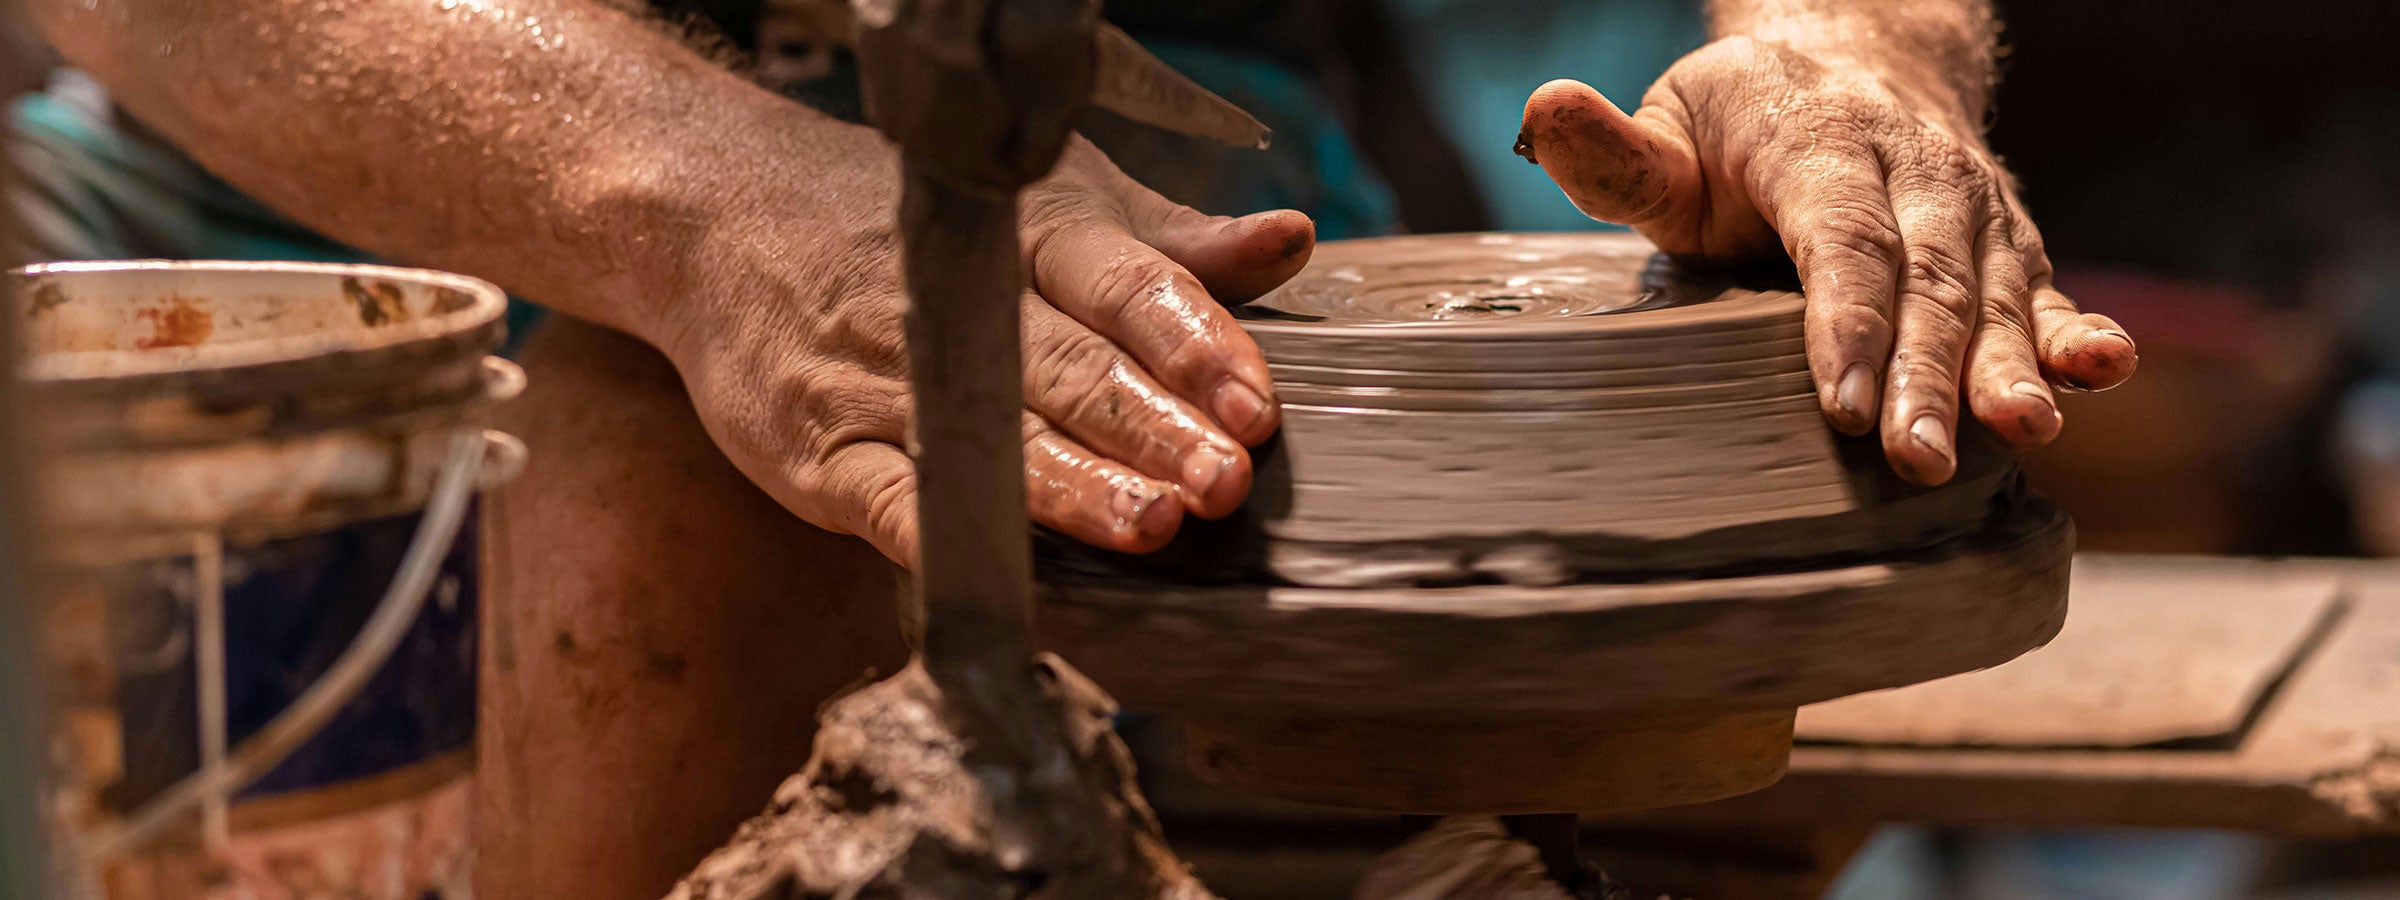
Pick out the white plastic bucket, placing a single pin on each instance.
(258, 626)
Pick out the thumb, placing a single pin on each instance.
(1237, 259)
(1631, 170)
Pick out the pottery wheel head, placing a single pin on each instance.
(1544, 408)
(1550, 526)
(1520, 278)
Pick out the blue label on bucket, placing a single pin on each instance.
(291, 607)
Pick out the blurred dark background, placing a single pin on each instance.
(2225, 179)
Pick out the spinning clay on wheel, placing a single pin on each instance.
(1532, 408)
(1562, 524)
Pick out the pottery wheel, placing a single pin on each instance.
(1551, 526)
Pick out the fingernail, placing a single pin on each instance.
(1159, 517)
(2099, 334)
(1854, 395)
(2038, 394)
(1202, 469)
(1142, 512)
(1928, 430)
(1237, 406)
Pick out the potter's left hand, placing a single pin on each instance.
(1925, 279)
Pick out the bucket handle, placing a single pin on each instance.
(437, 530)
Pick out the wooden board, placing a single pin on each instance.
(2321, 759)
(2175, 653)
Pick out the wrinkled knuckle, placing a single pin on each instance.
(1836, 117)
(1045, 210)
(1939, 275)
(2001, 323)
(1852, 236)
(1195, 356)
(1073, 369)
(842, 408)
(1949, 161)
(872, 338)
(1939, 265)
(1852, 326)
(1120, 288)
(1063, 229)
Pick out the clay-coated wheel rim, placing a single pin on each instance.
(1624, 651)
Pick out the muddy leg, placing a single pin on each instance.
(658, 635)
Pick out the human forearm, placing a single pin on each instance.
(1940, 49)
(562, 149)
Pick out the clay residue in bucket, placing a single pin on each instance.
(181, 323)
(44, 297)
(450, 300)
(379, 302)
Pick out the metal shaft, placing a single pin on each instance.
(962, 264)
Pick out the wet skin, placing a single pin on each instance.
(583, 159)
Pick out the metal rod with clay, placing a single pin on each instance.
(981, 770)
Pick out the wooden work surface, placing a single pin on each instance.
(2198, 692)
(2312, 748)
(2160, 653)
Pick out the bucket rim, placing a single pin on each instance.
(486, 304)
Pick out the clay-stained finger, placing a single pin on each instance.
(2004, 385)
(2077, 350)
(1629, 169)
(1088, 264)
(1941, 211)
(2080, 350)
(1835, 216)
(1093, 392)
(1086, 497)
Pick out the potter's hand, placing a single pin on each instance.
(1925, 279)
(1140, 389)
(749, 238)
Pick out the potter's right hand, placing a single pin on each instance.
(1141, 391)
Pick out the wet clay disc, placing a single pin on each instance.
(1535, 409)
(1550, 527)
